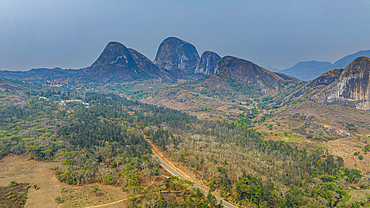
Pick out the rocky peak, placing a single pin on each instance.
(352, 88)
(114, 55)
(208, 63)
(247, 73)
(115, 63)
(176, 53)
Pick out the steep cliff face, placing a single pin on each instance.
(148, 66)
(316, 84)
(114, 64)
(247, 73)
(175, 53)
(143, 62)
(352, 88)
(208, 63)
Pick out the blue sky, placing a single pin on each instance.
(72, 33)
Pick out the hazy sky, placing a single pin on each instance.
(280, 33)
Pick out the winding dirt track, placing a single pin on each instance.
(177, 172)
(112, 203)
(171, 169)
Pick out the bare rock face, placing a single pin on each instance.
(147, 66)
(175, 53)
(247, 73)
(208, 63)
(316, 84)
(143, 62)
(352, 88)
(115, 63)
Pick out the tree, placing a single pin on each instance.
(367, 148)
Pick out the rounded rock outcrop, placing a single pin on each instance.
(176, 53)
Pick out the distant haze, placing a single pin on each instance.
(72, 34)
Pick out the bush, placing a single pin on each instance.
(113, 164)
(58, 199)
(13, 183)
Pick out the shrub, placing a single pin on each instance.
(58, 199)
(13, 183)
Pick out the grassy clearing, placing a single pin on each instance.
(83, 196)
(17, 168)
(359, 195)
(52, 193)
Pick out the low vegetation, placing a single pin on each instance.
(14, 195)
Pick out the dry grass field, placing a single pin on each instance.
(20, 169)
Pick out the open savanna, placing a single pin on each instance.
(21, 169)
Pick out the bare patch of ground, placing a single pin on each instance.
(83, 196)
(19, 169)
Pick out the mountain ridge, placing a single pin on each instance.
(309, 70)
(352, 88)
(247, 72)
(42, 74)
